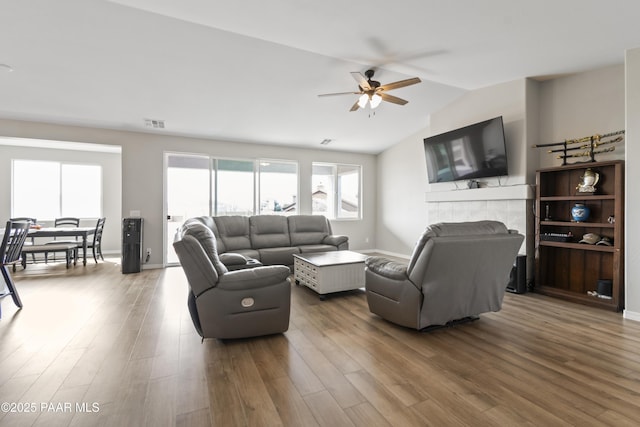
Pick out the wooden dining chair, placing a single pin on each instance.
(29, 241)
(96, 244)
(15, 233)
(64, 222)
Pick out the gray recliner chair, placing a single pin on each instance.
(457, 271)
(230, 304)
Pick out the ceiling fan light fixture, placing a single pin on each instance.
(375, 100)
(362, 101)
(373, 93)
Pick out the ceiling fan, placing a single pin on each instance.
(372, 92)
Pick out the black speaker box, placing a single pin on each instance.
(518, 277)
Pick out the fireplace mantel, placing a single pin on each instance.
(511, 192)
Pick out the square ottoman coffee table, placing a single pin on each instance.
(328, 272)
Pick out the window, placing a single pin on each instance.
(336, 190)
(237, 187)
(48, 190)
(348, 191)
(234, 187)
(81, 191)
(188, 186)
(278, 187)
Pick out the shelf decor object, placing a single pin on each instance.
(588, 144)
(565, 267)
(580, 212)
(588, 181)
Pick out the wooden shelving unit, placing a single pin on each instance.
(568, 269)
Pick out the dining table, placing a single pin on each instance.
(57, 232)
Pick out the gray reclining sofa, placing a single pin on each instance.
(271, 239)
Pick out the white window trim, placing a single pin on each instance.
(60, 201)
(337, 192)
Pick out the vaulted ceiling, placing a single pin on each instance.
(251, 70)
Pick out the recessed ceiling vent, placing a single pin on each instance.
(155, 124)
(325, 141)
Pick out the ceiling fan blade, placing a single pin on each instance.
(340, 93)
(362, 80)
(399, 84)
(355, 107)
(391, 98)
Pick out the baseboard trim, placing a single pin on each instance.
(388, 253)
(631, 315)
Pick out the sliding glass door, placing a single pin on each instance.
(197, 185)
(188, 193)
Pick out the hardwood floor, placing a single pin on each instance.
(93, 347)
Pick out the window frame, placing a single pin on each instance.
(337, 191)
(214, 181)
(259, 186)
(60, 187)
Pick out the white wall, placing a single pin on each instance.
(111, 185)
(142, 173)
(632, 202)
(582, 105)
(506, 100)
(534, 112)
(402, 173)
(402, 183)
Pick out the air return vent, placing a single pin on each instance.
(155, 124)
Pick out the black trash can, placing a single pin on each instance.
(131, 245)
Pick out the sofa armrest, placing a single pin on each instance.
(341, 242)
(390, 293)
(254, 277)
(386, 268)
(230, 259)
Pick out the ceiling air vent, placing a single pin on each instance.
(155, 124)
(325, 141)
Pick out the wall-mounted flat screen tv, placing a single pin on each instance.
(472, 152)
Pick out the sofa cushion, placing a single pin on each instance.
(234, 232)
(269, 231)
(308, 229)
(317, 248)
(248, 253)
(451, 229)
(468, 228)
(282, 256)
(209, 222)
(207, 240)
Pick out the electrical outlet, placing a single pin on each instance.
(148, 251)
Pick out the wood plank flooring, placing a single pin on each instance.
(94, 347)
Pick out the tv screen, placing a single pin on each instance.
(472, 152)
